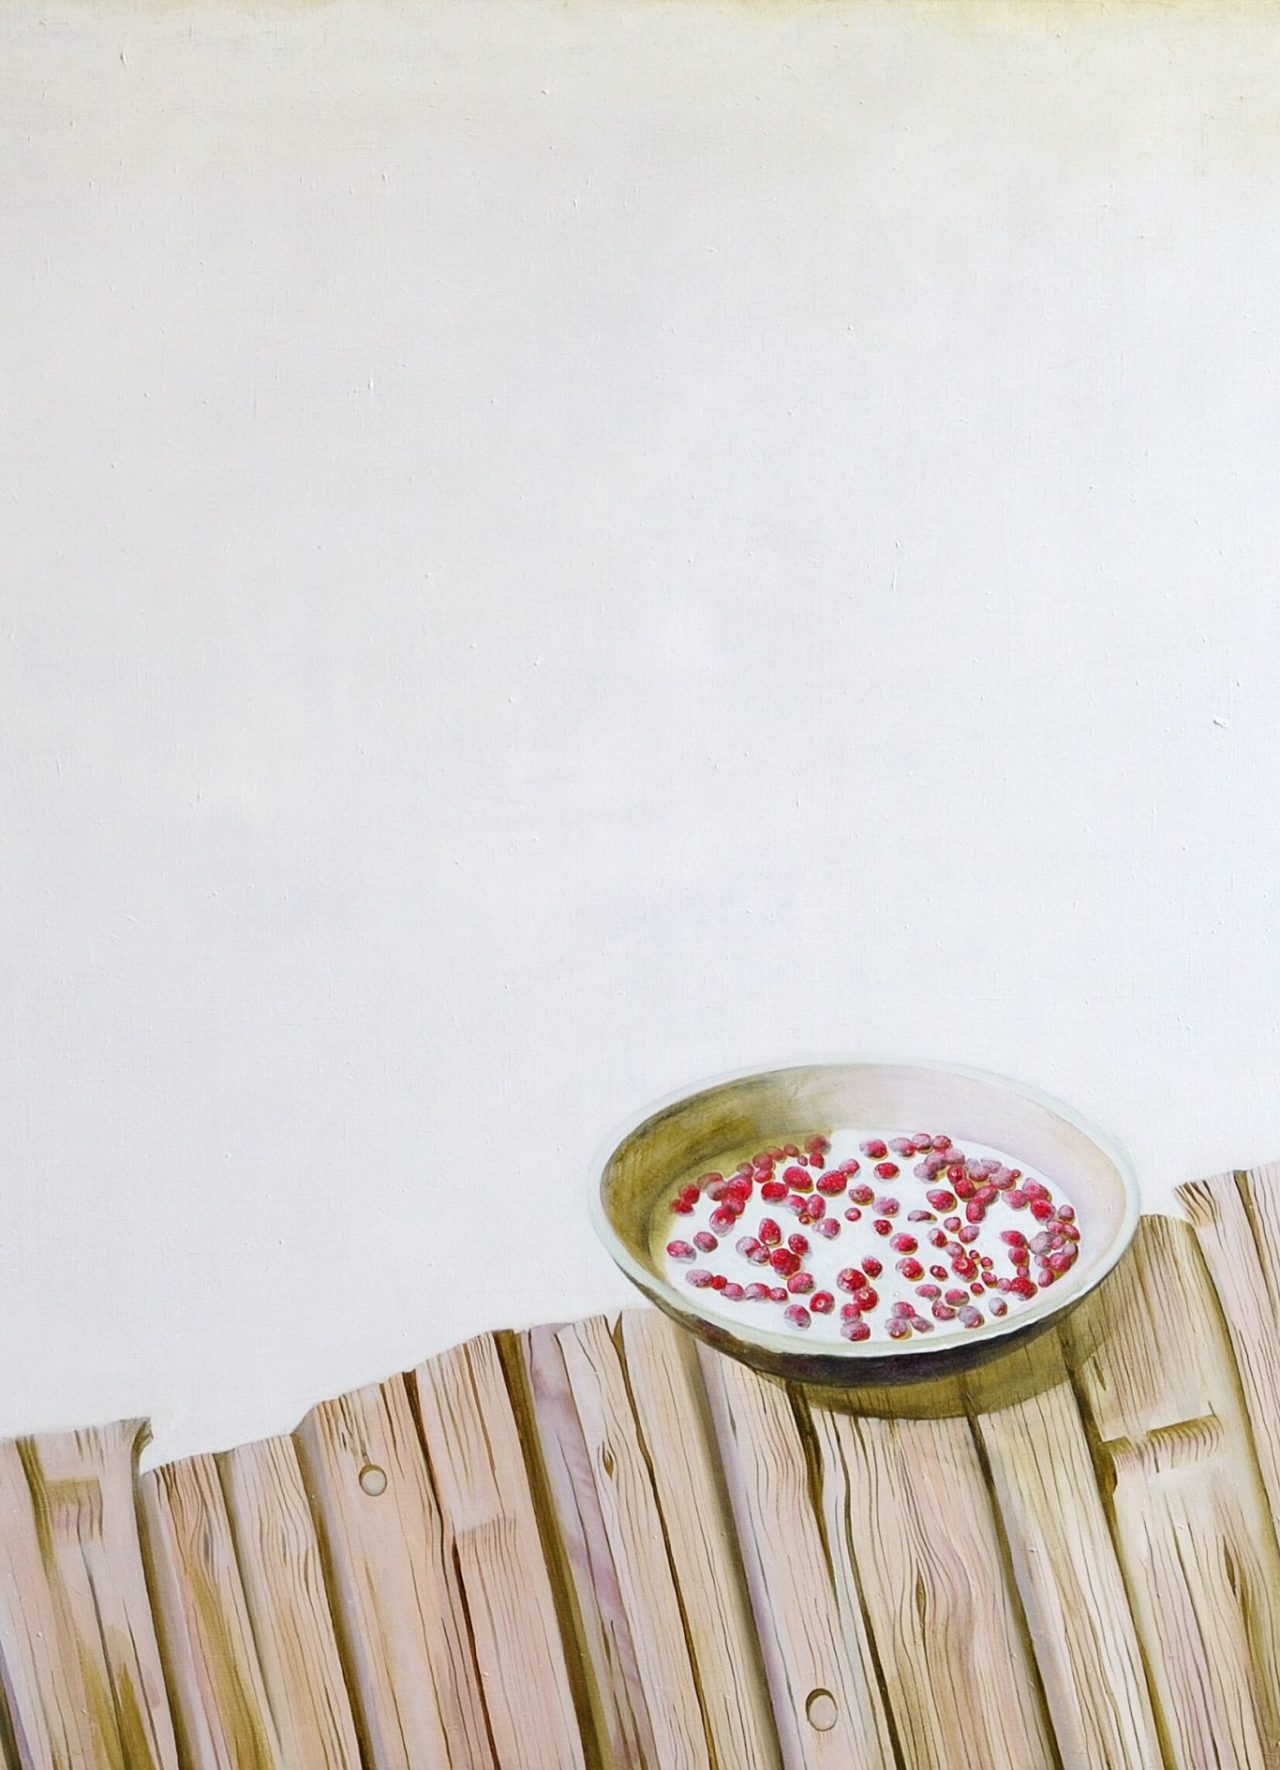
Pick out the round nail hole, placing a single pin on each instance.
(374, 1481)
(821, 1710)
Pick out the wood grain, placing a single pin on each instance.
(74, 1567)
(822, 1676)
(398, 1607)
(1235, 1221)
(1189, 1513)
(615, 1693)
(633, 1528)
(284, 1594)
(220, 1699)
(667, 1394)
(1072, 1589)
(910, 1525)
(491, 1531)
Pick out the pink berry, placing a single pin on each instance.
(928, 1290)
(943, 1312)
(733, 1293)
(856, 1329)
(1035, 1189)
(986, 1196)
(956, 1297)
(902, 1307)
(904, 1244)
(921, 1217)
(698, 1278)
(861, 1194)
(941, 1141)
(819, 1142)
(997, 1306)
(853, 1215)
(829, 1228)
(679, 1250)
(800, 1284)
(871, 1266)
(951, 1223)
(882, 1226)
(1061, 1262)
(971, 1317)
(941, 1199)
(849, 1278)
(756, 1293)
(799, 1244)
(717, 1189)
(817, 1208)
(705, 1242)
(822, 1302)
(973, 1212)
(1014, 1237)
(938, 1272)
(778, 1293)
(898, 1329)
(887, 1170)
(1016, 1200)
(1066, 1213)
(887, 1206)
(902, 1145)
(798, 1316)
(874, 1148)
(910, 1268)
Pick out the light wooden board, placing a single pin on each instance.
(1191, 1522)
(220, 1699)
(74, 1557)
(1072, 1589)
(666, 1392)
(632, 1524)
(491, 1532)
(910, 1526)
(822, 1675)
(287, 1605)
(400, 1615)
(615, 1694)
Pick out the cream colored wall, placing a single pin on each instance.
(550, 551)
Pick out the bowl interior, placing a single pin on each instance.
(719, 1124)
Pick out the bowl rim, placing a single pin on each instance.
(851, 1352)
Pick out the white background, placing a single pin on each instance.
(553, 551)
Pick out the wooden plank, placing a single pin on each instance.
(82, 1672)
(220, 1700)
(910, 1526)
(397, 1604)
(822, 1676)
(670, 1406)
(633, 1527)
(603, 1628)
(1072, 1589)
(1189, 1512)
(491, 1531)
(1237, 1223)
(288, 1610)
(59, 1713)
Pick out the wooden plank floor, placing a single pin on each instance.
(597, 1546)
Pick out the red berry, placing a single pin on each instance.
(705, 1241)
(799, 1244)
(800, 1284)
(853, 1214)
(887, 1205)
(852, 1166)
(855, 1329)
(797, 1178)
(1066, 1213)
(740, 1189)
(1016, 1200)
(682, 1206)
(798, 1315)
(973, 1212)
(1061, 1262)
(887, 1170)
(956, 1297)
(722, 1220)
(861, 1194)
(816, 1159)
(1041, 1210)
(904, 1244)
(1014, 1237)
(921, 1217)
(829, 1227)
(964, 1188)
(866, 1299)
(951, 1223)
(902, 1145)
(756, 1293)
(710, 1178)
(849, 1278)
(797, 1203)
(822, 1302)
(882, 1226)
(1022, 1286)
(986, 1196)
(938, 1272)
(832, 1184)
(698, 1278)
(1035, 1189)
(773, 1190)
(941, 1199)
(784, 1261)
(770, 1234)
(910, 1268)
(874, 1148)
(871, 1266)
(679, 1250)
(928, 1290)
(778, 1294)
(717, 1189)
(718, 1281)
(903, 1308)
(943, 1312)
(937, 1239)
(969, 1233)
(818, 1142)
(1070, 1231)
(817, 1208)
(941, 1142)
